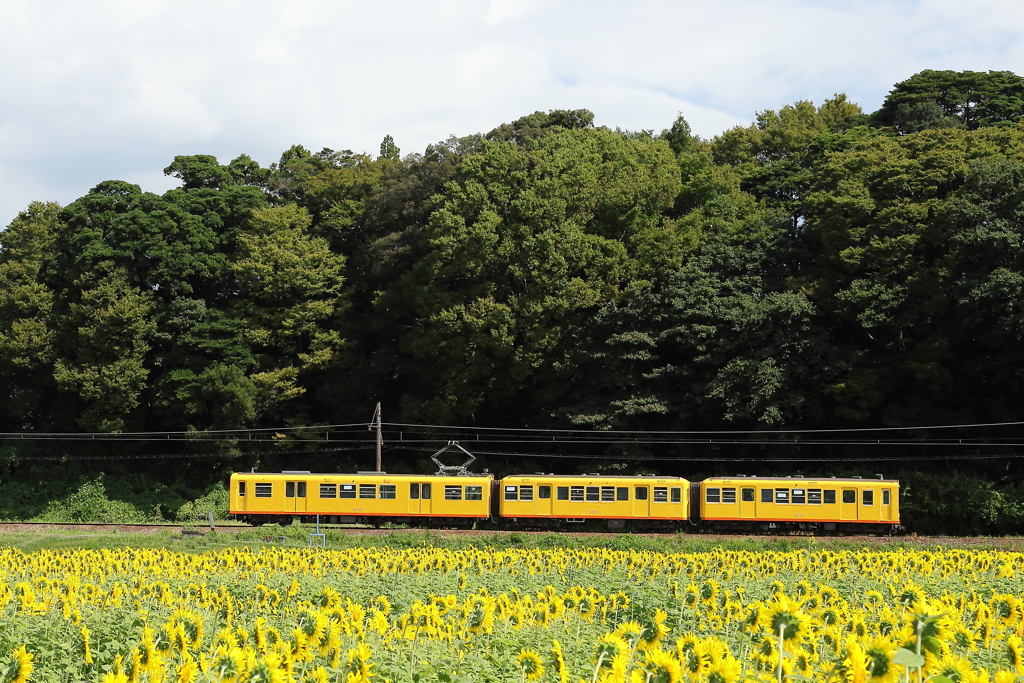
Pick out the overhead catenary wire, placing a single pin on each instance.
(194, 434)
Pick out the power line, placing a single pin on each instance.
(699, 458)
(205, 434)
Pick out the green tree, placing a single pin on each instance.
(944, 99)
(26, 339)
(104, 342)
(539, 124)
(389, 150)
(524, 238)
(914, 240)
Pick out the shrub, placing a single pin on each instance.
(89, 504)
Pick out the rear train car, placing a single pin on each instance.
(766, 504)
(363, 498)
(551, 501)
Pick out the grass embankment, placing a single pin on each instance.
(298, 535)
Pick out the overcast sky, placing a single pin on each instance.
(114, 89)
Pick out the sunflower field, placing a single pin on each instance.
(275, 615)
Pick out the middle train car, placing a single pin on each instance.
(551, 501)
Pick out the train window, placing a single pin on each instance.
(660, 494)
(830, 496)
(641, 493)
(347, 491)
(525, 493)
(747, 495)
(728, 496)
(367, 490)
(302, 489)
(766, 495)
(511, 493)
(289, 489)
(328, 490)
(781, 496)
(263, 490)
(241, 488)
(474, 493)
(622, 493)
(607, 494)
(885, 496)
(593, 493)
(814, 496)
(563, 493)
(799, 496)
(387, 491)
(543, 491)
(453, 493)
(713, 495)
(414, 491)
(425, 491)
(868, 497)
(677, 495)
(849, 496)
(576, 493)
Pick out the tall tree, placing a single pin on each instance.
(524, 238)
(952, 99)
(26, 339)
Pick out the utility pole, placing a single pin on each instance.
(375, 424)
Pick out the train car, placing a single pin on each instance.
(781, 504)
(550, 501)
(362, 498)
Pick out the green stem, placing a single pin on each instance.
(782, 636)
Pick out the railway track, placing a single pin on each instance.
(89, 529)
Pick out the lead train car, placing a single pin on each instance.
(366, 498)
(750, 504)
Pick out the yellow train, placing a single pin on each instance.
(261, 497)
(546, 500)
(795, 503)
(549, 501)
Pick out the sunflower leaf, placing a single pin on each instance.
(908, 658)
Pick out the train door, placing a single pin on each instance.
(641, 501)
(885, 505)
(242, 496)
(747, 502)
(426, 497)
(848, 506)
(295, 496)
(543, 500)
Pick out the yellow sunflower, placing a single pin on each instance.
(187, 671)
(609, 646)
(630, 631)
(953, 667)
(358, 666)
(558, 662)
(19, 666)
(1013, 653)
(654, 630)
(879, 652)
(530, 664)
(783, 618)
(726, 670)
(660, 667)
(228, 663)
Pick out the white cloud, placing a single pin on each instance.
(117, 88)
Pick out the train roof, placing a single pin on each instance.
(303, 473)
(806, 480)
(644, 477)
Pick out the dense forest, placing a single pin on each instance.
(822, 268)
